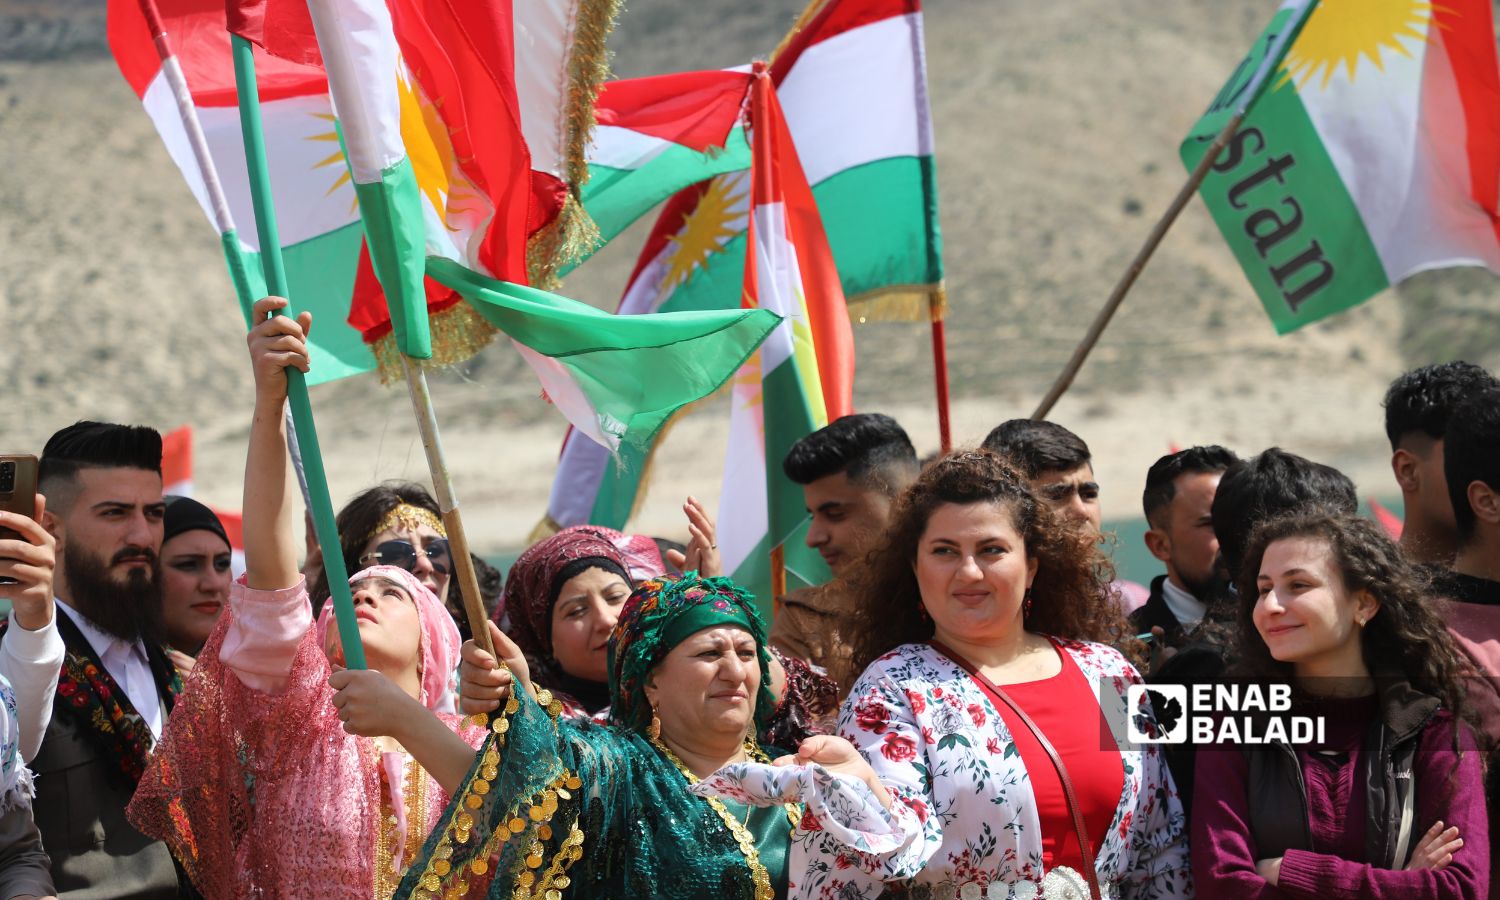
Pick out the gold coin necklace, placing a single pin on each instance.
(742, 835)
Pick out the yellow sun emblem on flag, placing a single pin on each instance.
(705, 230)
(1344, 32)
(433, 159)
(336, 158)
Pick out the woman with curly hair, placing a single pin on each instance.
(1390, 802)
(984, 630)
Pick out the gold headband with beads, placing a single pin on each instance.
(409, 517)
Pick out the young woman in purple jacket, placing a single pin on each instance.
(1390, 802)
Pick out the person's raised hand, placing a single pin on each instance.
(276, 343)
(839, 756)
(27, 565)
(371, 704)
(1436, 848)
(703, 545)
(483, 683)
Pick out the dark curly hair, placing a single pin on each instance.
(1072, 579)
(1406, 634)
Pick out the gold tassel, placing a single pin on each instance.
(573, 232)
(900, 303)
(458, 333)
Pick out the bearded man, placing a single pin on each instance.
(104, 510)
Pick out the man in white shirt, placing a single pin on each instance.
(105, 509)
(1178, 502)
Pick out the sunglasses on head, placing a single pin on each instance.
(404, 555)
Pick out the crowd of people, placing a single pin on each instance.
(973, 706)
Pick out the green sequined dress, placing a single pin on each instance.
(564, 808)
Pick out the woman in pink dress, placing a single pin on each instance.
(262, 784)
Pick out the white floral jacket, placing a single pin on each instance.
(963, 799)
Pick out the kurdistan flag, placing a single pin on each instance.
(803, 375)
(317, 211)
(1373, 154)
(853, 84)
(432, 130)
(658, 135)
(558, 65)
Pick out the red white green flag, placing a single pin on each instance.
(802, 376)
(432, 128)
(657, 135)
(1372, 153)
(852, 81)
(557, 62)
(317, 210)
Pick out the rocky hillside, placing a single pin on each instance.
(1057, 127)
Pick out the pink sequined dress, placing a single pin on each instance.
(255, 785)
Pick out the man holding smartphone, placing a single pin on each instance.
(31, 653)
(104, 510)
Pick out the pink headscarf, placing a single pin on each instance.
(439, 640)
(640, 552)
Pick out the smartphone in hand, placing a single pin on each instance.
(17, 492)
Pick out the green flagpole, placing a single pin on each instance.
(297, 395)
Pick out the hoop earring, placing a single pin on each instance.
(654, 729)
(1026, 604)
(922, 611)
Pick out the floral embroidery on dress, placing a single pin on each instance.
(963, 800)
(88, 693)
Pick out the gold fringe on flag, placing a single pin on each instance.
(808, 12)
(458, 333)
(900, 303)
(573, 232)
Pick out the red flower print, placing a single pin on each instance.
(928, 736)
(916, 701)
(937, 692)
(919, 807)
(976, 712)
(993, 746)
(871, 715)
(898, 748)
(810, 822)
(842, 861)
(1125, 823)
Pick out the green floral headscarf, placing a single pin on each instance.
(661, 614)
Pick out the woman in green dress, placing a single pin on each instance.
(570, 808)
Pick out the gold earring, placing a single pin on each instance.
(654, 729)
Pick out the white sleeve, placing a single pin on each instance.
(31, 661)
(844, 807)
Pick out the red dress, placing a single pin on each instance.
(1065, 709)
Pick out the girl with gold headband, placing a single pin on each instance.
(574, 808)
(261, 784)
(397, 524)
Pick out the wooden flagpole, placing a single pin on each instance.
(1142, 256)
(442, 486)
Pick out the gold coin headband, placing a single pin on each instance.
(409, 517)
